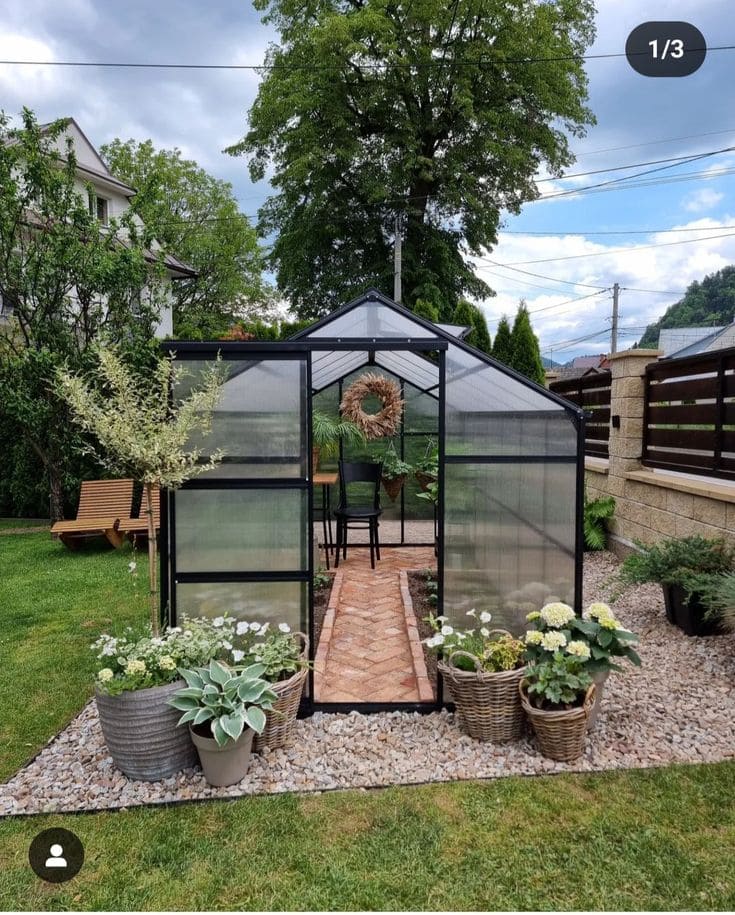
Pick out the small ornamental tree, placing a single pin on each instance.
(503, 345)
(141, 433)
(526, 353)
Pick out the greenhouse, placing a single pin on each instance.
(494, 521)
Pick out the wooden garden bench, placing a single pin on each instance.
(137, 528)
(101, 505)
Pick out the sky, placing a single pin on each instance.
(554, 254)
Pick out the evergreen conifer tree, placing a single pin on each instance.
(526, 357)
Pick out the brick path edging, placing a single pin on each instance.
(426, 693)
(322, 649)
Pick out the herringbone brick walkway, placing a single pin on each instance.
(368, 652)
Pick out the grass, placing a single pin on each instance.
(53, 604)
(11, 523)
(636, 840)
(656, 839)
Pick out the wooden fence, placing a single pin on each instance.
(592, 394)
(689, 418)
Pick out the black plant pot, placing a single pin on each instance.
(688, 615)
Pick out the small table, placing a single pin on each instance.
(326, 480)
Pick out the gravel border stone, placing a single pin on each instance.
(679, 707)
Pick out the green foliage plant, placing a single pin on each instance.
(326, 432)
(322, 579)
(557, 684)
(491, 650)
(393, 466)
(597, 512)
(139, 432)
(689, 562)
(227, 700)
(721, 600)
(503, 345)
(596, 639)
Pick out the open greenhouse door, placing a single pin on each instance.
(238, 538)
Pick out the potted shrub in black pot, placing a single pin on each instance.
(687, 569)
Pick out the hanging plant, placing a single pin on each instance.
(394, 474)
(386, 421)
(427, 469)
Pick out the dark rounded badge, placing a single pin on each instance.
(666, 49)
(56, 855)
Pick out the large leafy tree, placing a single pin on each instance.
(526, 357)
(439, 112)
(69, 283)
(196, 217)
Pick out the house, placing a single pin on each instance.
(584, 365)
(109, 198)
(677, 342)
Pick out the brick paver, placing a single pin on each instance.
(365, 653)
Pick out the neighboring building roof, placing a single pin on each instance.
(674, 340)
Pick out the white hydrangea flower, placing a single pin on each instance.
(135, 667)
(533, 637)
(284, 627)
(485, 617)
(166, 662)
(579, 649)
(105, 675)
(597, 611)
(552, 641)
(557, 614)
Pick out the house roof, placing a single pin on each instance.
(675, 340)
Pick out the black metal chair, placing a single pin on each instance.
(358, 517)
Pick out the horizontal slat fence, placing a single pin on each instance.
(689, 419)
(592, 394)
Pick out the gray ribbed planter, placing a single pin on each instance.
(141, 734)
(225, 765)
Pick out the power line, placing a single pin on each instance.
(663, 244)
(437, 62)
(613, 231)
(554, 279)
(690, 136)
(650, 182)
(622, 168)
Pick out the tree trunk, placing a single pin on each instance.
(56, 494)
(152, 571)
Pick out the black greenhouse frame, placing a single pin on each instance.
(302, 348)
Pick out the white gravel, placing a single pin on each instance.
(679, 707)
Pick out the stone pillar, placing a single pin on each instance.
(551, 377)
(626, 408)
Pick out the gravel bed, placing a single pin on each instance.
(679, 707)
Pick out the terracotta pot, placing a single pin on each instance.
(225, 765)
(141, 733)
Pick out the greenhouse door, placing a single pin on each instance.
(238, 537)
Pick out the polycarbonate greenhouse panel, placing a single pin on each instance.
(255, 601)
(260, 417)
(370, 320)
(246, 530)
(509, 539)
(328, 367)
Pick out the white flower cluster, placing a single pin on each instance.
(557, 614)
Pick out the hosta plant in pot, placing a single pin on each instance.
(284, 656)
(481, 668)
(394, 472)
(138, 430)
(136, 676)
(685, 568)
(557, 697)
(596, 638)
(224, 708)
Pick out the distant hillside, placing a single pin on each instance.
(706, 304)
(549, 364)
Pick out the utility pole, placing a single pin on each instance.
(614, 334)
(397, 259)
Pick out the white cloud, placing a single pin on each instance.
(704, 199)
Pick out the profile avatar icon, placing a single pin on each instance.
(56, 858)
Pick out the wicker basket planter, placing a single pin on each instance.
(560, 734)
(425, 479)
(281, 719)
(488, 704)
(394, 485)
(141, 732)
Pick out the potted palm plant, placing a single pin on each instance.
(685, 568)
(326, 433)
(140, 433)
(224, 708)
(394, 472)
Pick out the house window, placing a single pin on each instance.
(99, 208)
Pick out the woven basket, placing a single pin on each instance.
(560, 734)
(425, 479)
(281, 719)
(488, 704)
(393, 487)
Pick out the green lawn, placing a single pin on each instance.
(10, 523)
(638, 840)
(53, 604)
